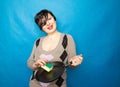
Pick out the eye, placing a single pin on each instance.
(43, 24)
(49, 18)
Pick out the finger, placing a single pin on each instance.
(74, 62)
(43, 62)
(80, 57)
(37, 64)
(40, 64)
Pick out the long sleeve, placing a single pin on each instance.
(31, 59)
(71, 48)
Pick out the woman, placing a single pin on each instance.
(55, 46)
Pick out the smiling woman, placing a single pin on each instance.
(56, 46)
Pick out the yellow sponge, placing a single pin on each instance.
(48, 66)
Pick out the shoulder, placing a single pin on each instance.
(68, 36)
(37, 41)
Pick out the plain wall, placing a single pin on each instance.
(94, 25)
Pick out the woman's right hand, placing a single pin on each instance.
(40, 62)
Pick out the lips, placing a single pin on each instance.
(50, 27)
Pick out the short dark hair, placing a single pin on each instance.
(42, 16)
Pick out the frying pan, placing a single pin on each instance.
(44, 76)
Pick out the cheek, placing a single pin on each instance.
(44, 29)
(54, 24)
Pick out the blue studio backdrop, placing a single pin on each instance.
(94, 25)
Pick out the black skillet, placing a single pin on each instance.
(44, 76)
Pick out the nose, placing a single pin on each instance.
(48, 23)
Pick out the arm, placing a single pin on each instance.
(31, 59)
(71, 48)
(33, 62)
(72, 57)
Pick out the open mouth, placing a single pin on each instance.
(50, 27)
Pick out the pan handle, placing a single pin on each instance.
(68, 64)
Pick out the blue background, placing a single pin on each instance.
(94, 25)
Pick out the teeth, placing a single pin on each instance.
(50, 27)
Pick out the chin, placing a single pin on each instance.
(52, 31)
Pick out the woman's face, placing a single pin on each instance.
(50, 25)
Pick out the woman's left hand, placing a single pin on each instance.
(76, 60)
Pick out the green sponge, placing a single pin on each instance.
(48, 66)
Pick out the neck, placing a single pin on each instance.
(53, 34)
